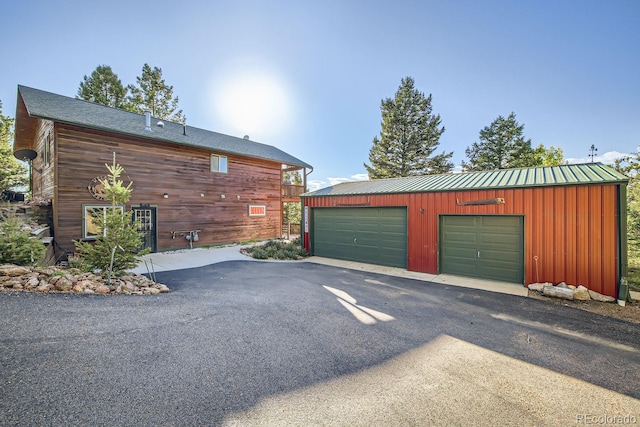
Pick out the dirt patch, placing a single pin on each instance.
(630, 313)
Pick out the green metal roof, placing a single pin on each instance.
(58, 108)
(579, 174)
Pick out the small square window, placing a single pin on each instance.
(218, 163)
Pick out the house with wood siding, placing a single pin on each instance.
(190, 186)
(550, 224)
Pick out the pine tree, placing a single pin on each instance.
(409, 135)
(17, 246)
(103, 87)
(552, 156)
(12, 173)
(502, 146)
(152, 94)
(118, 247)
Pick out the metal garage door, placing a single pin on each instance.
(371, 235)
(483, 246)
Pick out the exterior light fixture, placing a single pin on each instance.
(165, 195)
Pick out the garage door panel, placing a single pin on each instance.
(380, 234)
(484, 246)
(460, 236)
(459, 221)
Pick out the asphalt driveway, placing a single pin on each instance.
(251, 343)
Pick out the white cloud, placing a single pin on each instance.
(316, 184)
(607, 158)
(356, 177)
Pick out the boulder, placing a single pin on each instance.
(581, 293)
(63, 285)
(537, 286)
(14, 283)
(599, 297)
(558, 292)
(154, 291)
(163, 288)
(13, 270)
(78, 288)
(562, 285)
(103, 289)
(32, 283)
(44, 287)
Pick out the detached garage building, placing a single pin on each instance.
(550, 224)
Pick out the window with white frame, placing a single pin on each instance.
(218, 163)
(92, 228)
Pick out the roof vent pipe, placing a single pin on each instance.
(246, 137)
(184, 129)
(147, 121)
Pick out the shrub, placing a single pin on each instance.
(16, 245)
(276, 249)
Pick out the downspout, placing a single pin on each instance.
(624, 295)
(305, 220)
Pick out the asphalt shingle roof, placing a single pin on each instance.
(578, 174)
(50, 106)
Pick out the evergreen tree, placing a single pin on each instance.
(630, 166)
(551, 156)
(103, 87)
(153, 94)
(409, 135)
(502, 146)
(17, 246)
(12, 173)
(118, 247)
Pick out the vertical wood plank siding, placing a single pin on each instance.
(157, 168)
(571, 229)
(42, 173)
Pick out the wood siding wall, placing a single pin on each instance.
(157, 168)
(42, 172)
(573, 230)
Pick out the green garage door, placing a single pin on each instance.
(371, 235)
(483, 246)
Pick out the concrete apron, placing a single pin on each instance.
(444, 279)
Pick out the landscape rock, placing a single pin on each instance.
(32, 283)
(44, 287)
(537, 286)
(599, 297)
(13, 270)
(103, 289)
(63, 285)
(163, 288)
(581, 293)
(562, 285)
(558, 292)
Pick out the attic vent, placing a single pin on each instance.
(246, 137)
(160, 124)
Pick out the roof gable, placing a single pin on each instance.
(63, 109)
(579, 174)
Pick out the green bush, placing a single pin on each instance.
(279, 250)
(16, 245)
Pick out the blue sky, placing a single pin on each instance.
(308, 77)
